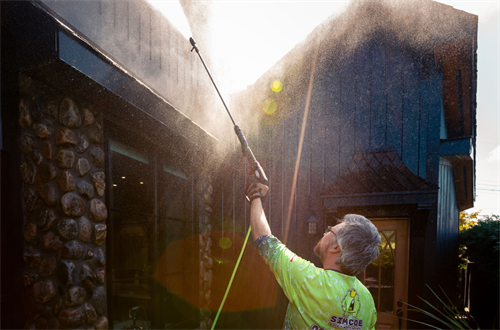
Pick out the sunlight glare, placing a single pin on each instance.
(249, 37)
(172, 10)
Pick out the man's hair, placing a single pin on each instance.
(359, 241)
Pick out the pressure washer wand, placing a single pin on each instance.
(247, 152)
(258, 171)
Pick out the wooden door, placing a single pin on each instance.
(387, 276)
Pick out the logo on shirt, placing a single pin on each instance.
(346, 323)
(350, 310)
(351, 304)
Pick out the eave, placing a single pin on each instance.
(423, 199)
(52, 53)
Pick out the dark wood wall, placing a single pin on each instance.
(378, 98)
(447, 223)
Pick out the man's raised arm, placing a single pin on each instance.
(255, 191)
(258, 219)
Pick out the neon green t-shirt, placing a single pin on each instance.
(319, 299)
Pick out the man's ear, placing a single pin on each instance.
(335, 248)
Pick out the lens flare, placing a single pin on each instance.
(269, 106)
(225, 243)
(176, 270)
(276, 86)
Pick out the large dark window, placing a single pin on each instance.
(154, 256)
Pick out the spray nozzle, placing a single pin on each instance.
(193, 43)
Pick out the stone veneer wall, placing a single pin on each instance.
(64, 210)
(206, 261)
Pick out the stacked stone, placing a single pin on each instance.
(206, 262)
(64, 210)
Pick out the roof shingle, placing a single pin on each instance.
(377, 172)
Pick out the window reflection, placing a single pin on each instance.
(133, 181)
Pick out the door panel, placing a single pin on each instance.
(387, 276)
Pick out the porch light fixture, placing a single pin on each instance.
(312, 224)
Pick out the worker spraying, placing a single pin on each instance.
(319, 298)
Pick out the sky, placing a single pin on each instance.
(249, 36)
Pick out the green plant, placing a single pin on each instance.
(449, 315)
(481, 244)
(467, 221)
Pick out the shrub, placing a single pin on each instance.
(480, 244)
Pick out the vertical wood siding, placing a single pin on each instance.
(447, 223)
(378, 114)
(378, 98)
(319, 137)
(410, 150)
(424, 124)
(362, 108)
(433, 132)
(395, 94)
(331, 123)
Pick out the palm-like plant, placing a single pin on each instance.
(449, 315)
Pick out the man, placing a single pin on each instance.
(321, 298)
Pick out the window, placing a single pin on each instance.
(378, 277)
(153, 255)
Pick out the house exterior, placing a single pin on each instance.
(381, 103)
(123, 193)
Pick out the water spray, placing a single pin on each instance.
(247, 152)
(257, 171)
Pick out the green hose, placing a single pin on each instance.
(232, 277)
